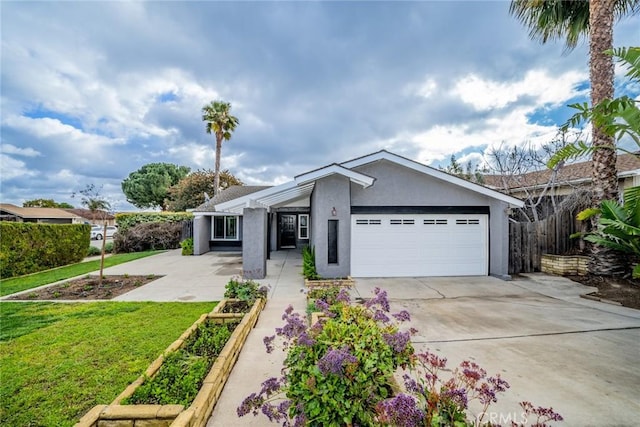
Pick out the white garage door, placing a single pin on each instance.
(419, 245)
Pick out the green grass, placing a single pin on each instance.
(22, 283)
(57, 361)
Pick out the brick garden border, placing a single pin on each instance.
(564, 265)
(343, 283)
(117, 415)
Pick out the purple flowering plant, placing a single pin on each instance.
(433, 399)
(337, 370)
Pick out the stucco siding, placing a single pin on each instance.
(201, 234)
(398, 185)
(254, 247)
(329, 193)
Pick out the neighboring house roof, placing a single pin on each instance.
(302, 185)
(575, 173)
(98, 215)
(36, 213)
(230, 193)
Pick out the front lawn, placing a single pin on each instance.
(57, 361)
(22, 283)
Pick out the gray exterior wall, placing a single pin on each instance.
(254, 245)
(201, 234)
(396, 185)
(330, 192)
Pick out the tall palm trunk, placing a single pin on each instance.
(604, 261)
(216, 176)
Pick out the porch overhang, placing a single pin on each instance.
(301, 186)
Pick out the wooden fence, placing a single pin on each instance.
(187, 230)
(529, 240)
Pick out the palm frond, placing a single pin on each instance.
(570, 152)
(632, 203)
(609, 243)
(587, 213)
(629, 57)
(611, 209)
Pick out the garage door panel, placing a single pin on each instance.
(419, 245)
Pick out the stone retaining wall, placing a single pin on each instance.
(564, 265)
(196, 415)
(343, 283)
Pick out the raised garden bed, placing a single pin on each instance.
(177, 415)
(564, 265)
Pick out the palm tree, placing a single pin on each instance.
(556, 19)
(220, 122)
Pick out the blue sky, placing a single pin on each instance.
(92, 91)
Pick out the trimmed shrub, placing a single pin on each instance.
(131, 219)
(29, 247)
(187, 246)
(108, 247)
(147, 237)
(93, 251)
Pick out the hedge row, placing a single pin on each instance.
(127, 220)
(29, 247)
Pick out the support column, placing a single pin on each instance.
(254, 243)
(201, 234)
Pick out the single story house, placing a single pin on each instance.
(569, 178)
(380, 215)
(9, 212)
(94, 217)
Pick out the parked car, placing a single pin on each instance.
(97, 231)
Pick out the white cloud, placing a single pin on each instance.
(26, 152)
(424, 89)
(486, 94)
(13, 168)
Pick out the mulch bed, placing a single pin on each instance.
(87, 288)
(624, 291)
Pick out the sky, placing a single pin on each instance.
(92, 90)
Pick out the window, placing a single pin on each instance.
(225, 228)
(332, 244)
(303, 226)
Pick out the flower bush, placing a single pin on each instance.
(339, 372)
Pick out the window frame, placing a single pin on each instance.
(303, 227)
(225, 222)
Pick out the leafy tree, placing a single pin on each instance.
(469, 171)
(190, 191)
(556, 19)
(618, 226)
(92, 199)
(46, 203)
(148, 186)
(220, 122)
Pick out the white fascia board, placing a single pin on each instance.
(355, 177)
(252, 199)
(625, 174)
(419, 167)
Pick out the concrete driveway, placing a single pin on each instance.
(554, 348)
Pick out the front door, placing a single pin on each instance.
(287, 231)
